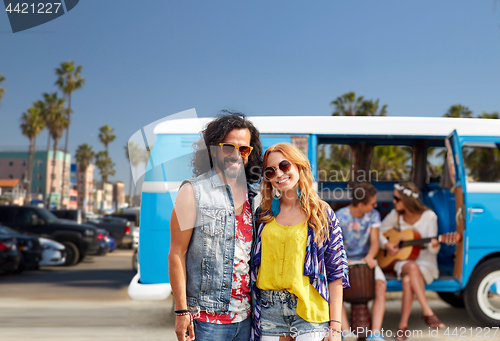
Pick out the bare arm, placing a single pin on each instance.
(374, 247)
(336, 291)
(181, 228)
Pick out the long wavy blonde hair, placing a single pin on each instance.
(310, 202)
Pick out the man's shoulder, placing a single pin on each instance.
(343, 212)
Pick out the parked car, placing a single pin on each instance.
(118, 228)
(74, 215)
(111, 242)
(10, 255)
(54, 253)
(103, 244)
(133, 216)
(31, 250)
(79, 239)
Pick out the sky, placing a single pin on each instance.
(146, 60)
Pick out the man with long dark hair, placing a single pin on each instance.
(211, 233)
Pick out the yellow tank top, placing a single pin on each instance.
(283, 250)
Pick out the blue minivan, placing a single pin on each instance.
(454, 162)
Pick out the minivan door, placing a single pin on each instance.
(477, 160)
(456, 175)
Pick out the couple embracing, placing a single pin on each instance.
(243, 265)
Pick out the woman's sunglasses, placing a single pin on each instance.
(228, 149)
(396, 199)
(284, 166)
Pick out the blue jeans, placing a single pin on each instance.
(205, 331)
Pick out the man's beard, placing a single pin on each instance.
(231, 173)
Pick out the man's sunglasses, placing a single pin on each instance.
(284, 166)
(396, 199)
(228, 149)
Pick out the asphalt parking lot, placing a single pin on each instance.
(90, 302)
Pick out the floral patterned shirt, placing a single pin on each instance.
(356, 231)
(239, 306)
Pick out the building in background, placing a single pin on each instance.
(11, 192)
(14, 165)
(118, 195)
(85, 188)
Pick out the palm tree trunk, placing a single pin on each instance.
(65, 152)
(53, 175)
(46, 189)
(30, 170)
(130, 190)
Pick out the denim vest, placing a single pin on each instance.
(210, 254)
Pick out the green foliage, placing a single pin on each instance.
(2, 90)
(392, 163)
(458, 111)
(482, 163)
(106, 165)
(54, 115)
(334, 162)
(32, 121)
(350, 105)
(491, 115)
(84, 156)
(106, 135)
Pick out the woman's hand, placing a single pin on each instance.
(392, 248)
(434, 243)
(333, 335)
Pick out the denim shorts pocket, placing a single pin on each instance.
(212, 221)
(265, 300)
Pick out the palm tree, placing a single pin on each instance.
(492, 115)
(370, 108)
(105, 165)
(2, 90)
(32, 123)
(106, 136)
(68, 80)
(347, 104)
(392, 163)
(458, 111)
(135, 156)
(84, 156)
(55, 118)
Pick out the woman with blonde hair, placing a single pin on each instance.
(299, 265)
(410, 212)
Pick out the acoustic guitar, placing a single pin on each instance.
(409, 243)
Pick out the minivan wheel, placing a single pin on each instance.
(482, 295)
(453, 298)
(72, 253)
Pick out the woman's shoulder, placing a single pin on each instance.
(429, 214)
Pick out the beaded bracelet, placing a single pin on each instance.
(185, 313)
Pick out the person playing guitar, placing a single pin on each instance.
(410, 213)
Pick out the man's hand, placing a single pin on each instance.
(370, 262)
(392, 248)
(183, 324)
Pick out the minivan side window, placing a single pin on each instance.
(436, 157)
(391, 163)
(334, 162)
(482, 162)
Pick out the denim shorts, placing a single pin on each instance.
(278, 316)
